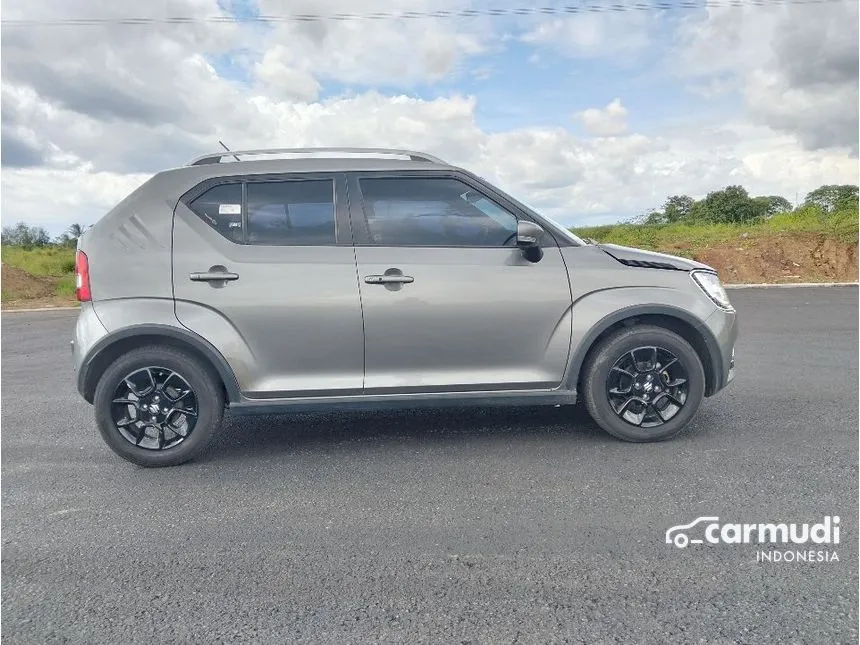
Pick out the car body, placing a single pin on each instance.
(313, 282)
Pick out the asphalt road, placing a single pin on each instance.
(492, 525)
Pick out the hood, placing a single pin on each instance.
(651, 259)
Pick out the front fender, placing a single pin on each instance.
(597, 311)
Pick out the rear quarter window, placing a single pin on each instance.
(221, 208)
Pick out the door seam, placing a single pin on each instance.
(357, 286)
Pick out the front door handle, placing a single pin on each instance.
(213, 276)
(388, 279)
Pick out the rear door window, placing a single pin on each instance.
(291, 213)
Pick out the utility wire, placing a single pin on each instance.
(593, 7)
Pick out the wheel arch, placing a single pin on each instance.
(111, 347)
(673, 318)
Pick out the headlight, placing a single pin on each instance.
(711, 285)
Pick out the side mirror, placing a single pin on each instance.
(528, 240)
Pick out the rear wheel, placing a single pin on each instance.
(643, 383)
(158, 406)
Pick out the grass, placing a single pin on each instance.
(52, 268)
(841, 224)
(688, 238)
(65, 286)
(53, 261)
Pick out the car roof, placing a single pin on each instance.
(306, 164)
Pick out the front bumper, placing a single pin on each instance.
(723, 327)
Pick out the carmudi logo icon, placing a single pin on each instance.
(709, 530)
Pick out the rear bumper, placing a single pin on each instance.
(88, 331)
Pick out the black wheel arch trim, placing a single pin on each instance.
(225, 372)
(716, 377)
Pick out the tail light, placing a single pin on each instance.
(82, 277)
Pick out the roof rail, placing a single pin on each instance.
(216, 157)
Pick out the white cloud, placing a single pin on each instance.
(795, 66)
(88, 114)
(574, 179)
(278, 72)
(592, 35)
(605, 122)
(56, 198)
(376, 52)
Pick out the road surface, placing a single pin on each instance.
(489, 525)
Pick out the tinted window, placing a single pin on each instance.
(433, 212)
(291, 213)
(221, 208)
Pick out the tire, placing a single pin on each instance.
(203, 394)
(613, 351)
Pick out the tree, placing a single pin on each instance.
(776, 204)
(23, 235)
(654, 217)
(70, 237)
(75, 230)
(833, 198)
(699, 212)
(732, 204)
(678, 208)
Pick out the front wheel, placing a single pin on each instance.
(158, 406)
(643, 383)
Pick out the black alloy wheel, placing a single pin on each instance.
(647, 386)
(158, 405)
(643, 383)
(154, 408)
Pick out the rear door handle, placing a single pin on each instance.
(213, 276)
(388, 279)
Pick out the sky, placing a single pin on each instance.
(590, 118)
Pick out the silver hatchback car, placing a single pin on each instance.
(278, 280)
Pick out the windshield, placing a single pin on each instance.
(559, 229)
(564, 231)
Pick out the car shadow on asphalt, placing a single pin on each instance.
(245, 436)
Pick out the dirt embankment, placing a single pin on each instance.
(21, 289)
(782, 258)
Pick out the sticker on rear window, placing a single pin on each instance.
(229, 209)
